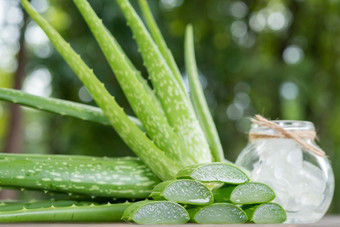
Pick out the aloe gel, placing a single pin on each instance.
(183, 191)
(267, 213)
(218, 213)
(220, 172)
(156, 213)
(248, 193)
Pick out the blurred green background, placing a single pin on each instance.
(277, 58)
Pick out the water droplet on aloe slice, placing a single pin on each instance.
(267, 213)
(248, 193)
(218, 213)
(214, 172)
(183, 191)
(156, 212)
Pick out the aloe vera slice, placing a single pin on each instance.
(156, 213)
(248, 193)
(218, 213)
(267, 213)
(59, 106)
(214, 172)
(72, 213)
(183, 191)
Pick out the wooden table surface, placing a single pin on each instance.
(326, 221)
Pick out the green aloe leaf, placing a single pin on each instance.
(176, 105)
(156, 213)
(218, 213)
(214, 172)
(59, 106)
(183, 191)
(267, 213)
(69, 213)
(159, 40)
(198, 99)
(149, 153)
(144, 105)
(248, 193)
(125, 178)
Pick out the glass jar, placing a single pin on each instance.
(302, 180)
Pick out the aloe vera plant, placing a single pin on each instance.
(173, 135)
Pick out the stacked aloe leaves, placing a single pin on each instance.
(180, 162)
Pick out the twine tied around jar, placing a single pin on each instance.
(298, 136)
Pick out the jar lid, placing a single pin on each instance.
(285, 124)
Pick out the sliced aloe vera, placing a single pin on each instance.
(156, 213)
(267, 213)
(214, 172)
(248, 193)
(183, 191)
(218, 213)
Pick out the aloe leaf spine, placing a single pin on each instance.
(59, 106)
(12, 206)
(198, 99)
(143, 105)
(176, 105)
(128, 131)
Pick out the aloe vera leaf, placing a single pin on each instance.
(198, 99)
(107, 177)
(159, 40)
(73, 213)
(218, 213)
(59, 106)
(176, 105)
(156, 213)
(267, 213)
(248, 193)
(214, 172)
(39, 204)
(143, 105)
(138, 142)
(183, 191)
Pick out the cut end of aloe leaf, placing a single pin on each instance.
(156, 213)
(251, 193)
(183, 191)
(218, 213)
(214, 172)
(267, 213)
